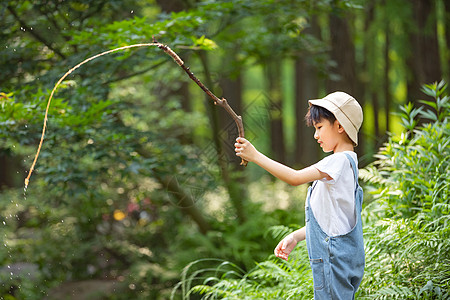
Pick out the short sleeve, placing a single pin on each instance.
(333, 166)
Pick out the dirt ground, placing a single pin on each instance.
(83, 290)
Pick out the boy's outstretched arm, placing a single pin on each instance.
(247, 151)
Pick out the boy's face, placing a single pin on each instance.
(327, 134)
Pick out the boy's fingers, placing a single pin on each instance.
(283, 246)
(278, 250)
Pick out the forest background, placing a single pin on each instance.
(137, 193)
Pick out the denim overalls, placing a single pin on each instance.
(337, 262)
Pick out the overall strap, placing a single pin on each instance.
(355, 170)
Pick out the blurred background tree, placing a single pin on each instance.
(137, 175)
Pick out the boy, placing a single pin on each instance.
(333, 230)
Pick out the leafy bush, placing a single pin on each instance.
(408, 248)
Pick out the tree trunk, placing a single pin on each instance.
(424, 60)
(273, 77)
(221, 155)
(172, 5)
(232, 91)
(376, 113)
(374, 82)
(169, 6)
(185, 96)
(8, 169)
(306, 150)
(306, 88)
(182, 94)
(343, 54)
(447, 36)
(387, 66)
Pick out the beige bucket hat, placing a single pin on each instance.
(346, 110)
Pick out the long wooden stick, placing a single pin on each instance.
(221, 102)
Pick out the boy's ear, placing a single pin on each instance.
(340, 128)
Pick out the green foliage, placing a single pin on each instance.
(94, 207)
(413, 167)
(271, 279)
(407, 240)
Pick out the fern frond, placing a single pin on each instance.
(279, 231)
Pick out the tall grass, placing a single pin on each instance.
(407, 232)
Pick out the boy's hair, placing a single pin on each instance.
(317, 113)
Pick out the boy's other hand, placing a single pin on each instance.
(285, 247)
(244, 149)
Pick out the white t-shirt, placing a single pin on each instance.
(333, 201)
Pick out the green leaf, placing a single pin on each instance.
(204, 43)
